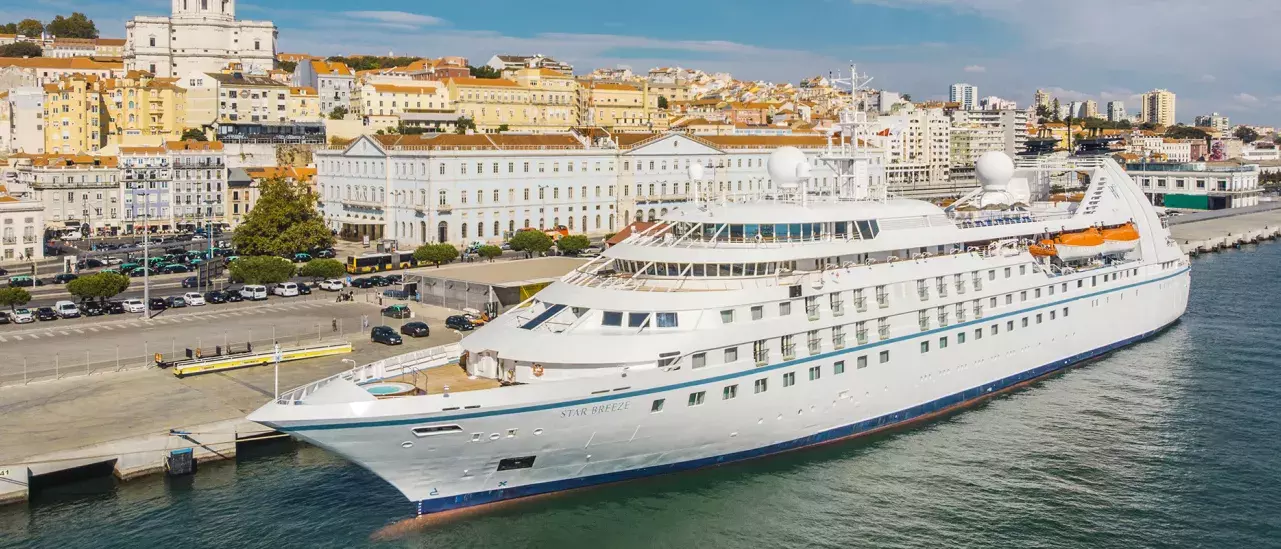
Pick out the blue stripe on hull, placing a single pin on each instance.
(919, 412)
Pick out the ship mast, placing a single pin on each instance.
(859, 167)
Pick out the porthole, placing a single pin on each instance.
(406, 444)
(494, 436)
(538, 432)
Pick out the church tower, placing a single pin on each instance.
(208, 9)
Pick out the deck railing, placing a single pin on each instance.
(378, 370)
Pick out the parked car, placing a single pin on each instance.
(380, 280)
(45, 314)
(191, 282)
(324, 254)
(64, 278)
(175, 268)
(134, 305)
(254, 292)
(93, 308)
(302, 257)
(215, 297)
(66, 309)
(22, 316)
(286, 289)
(4, 317)
(24, 281)
(158, 304)
(303, 289)
(232, 297)
(415, 329)
(362, 283)
(397, 311)
(112, 260)
(193, 299)
(116, 308)
(385, 335)
(460, 322)
(144, 271)
(332, 285)
(393, 279)
(175, 302)
(90, 263)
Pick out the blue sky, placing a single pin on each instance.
(1217, 56)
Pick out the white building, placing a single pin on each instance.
(1177, 150)
(1116, 111)
(1198, 185)
(21, 228)
(976, 132)
(502, 63)
(25, 130)
(965, 94)
(334, 82)
(76, 192)
(1213, 120)
(917, 144)
(465, 188)
(1260, 151)
(994, 103)
(200, 35)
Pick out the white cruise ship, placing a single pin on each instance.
(730, 331)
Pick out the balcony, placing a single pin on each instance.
(860, 304)
(978, 283)
(838, 309)
(29, 239)
(838, 341)
(814, 347)
(960, 286)
(942, 289)
(444, 208)
(761, 357)
(882, 300)
(861, 336)
(812, 311)
(883, 332)
(978, 310)
(10, 240)
(943, 319)
(789, 351)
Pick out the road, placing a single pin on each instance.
(109, 343)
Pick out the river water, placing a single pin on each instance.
(1175, 442)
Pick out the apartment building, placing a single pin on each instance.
(21, 228)
(76, 117)
(1157, 107)
(144, 110)
(199, 180)
(38, 71)
(76, 191)
(333, 81)
(917, 144)
(146, 175)
(495, 103)
(304, 105)
(618, 107)
(382, 105)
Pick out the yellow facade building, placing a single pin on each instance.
(618, 107)
(382, 104)
(541, 104)
(76, 118)
(144, 111)
(304, 105)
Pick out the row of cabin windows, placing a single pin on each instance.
(761, 385)
(995, 329)
(777, 232)
(814, 340)
(640, 320)
(702, 269)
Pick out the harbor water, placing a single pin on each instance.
(1174, 442)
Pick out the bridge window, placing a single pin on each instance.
(612, 318)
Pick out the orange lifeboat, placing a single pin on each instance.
(1120, 239)
(1070, 246)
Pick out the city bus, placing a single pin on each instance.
(372, 263)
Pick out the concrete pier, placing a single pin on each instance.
(1203, 234)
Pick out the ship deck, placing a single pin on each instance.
(433, 381)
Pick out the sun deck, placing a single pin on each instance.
(452, 377)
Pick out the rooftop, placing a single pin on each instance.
(505, 272)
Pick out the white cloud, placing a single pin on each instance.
(398, 18)
(1207, 78)
(975, 68)
(1246, 99)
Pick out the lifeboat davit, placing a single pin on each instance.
(1122, 239)
(1071, 246)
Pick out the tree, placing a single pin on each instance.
(30, 28)
(436, 253)
(101, 286)
(261, 269)
(76, 26)
(503, 128)
(1054, 111)
(322, 268)
(193, 134)
(283, 222)
(287, 66)
(531, 242)
(489, 251)
(662, 102)
(484, 71)
(21, 49)
(14, 297)
(1246, 134)
(368, 62)
(1185, 132)
(338, 113)
(9, 28)
(463, 124)
(907, 97)
(573, 244)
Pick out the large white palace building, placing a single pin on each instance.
(468, 188)
(200, 36)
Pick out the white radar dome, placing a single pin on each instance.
(994, 170)
(787, 166)
(695, 171)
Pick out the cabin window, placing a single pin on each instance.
(637, 320)
(1009, 326)
(943, 342)
(815, 373)
(996, 329)
(657, 406)
(785, 308)
(761, 385)
(1065, 311)
(730, 391)
(611, 318)
(696, 399)
(992, 303)
(727, 316)
(1022, 270)
(978, 333)
(1023, 295)
(789, 379)
(1008, 271)
(731, 355)
(665, 320)
(960, 338)
(885, 357)
(1038, 318)
(699, 360)
(991, 275)
(758, 312)
(1025, 322)
(839, 367)
(925, 346)
(1036, 293)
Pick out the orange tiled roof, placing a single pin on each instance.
(403, 88)
(488, 82)
(142, 150)
(330, 67)
(64, 63)
(304, 90)
(608, 86)
(191, 145)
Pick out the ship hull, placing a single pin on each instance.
(502, 454)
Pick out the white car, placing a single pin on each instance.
(285, 289)
(66, 309)
(72, 236)
(333, 285)
(254, 292)
(194, 299)
(134, 306)
(22, 316)
(112, 260)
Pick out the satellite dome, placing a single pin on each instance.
(994, 170)
(695, 171)
(787, 166)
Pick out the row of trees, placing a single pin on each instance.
(75, 26)
(366, 62)
(21, 49)
(268, 269)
